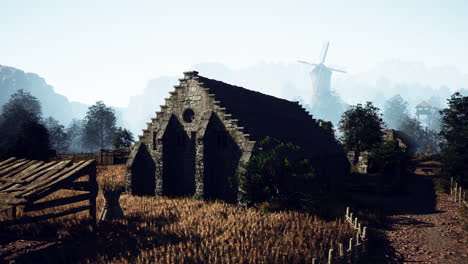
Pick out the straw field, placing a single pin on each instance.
(159, 230)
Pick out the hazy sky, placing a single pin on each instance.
(91, 50)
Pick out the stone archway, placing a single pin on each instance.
(178, 160)
(221, 156)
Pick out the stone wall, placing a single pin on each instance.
(190, 108)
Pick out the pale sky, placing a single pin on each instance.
(108, 50)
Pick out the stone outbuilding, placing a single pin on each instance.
(207, 128)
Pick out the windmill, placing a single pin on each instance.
(321, 76)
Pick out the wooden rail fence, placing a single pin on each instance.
(25, 182)
(352, 252)
(458, 193)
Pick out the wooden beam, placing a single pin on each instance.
(43, 171)
(7, 161)
(92, 201)
(58, 202)
(6, 165)
(25, 220)
(79, 186)
(46, 175)
(24, 168)
(18, 170)
(9, 168)
(37, 192)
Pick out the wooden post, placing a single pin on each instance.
(92, 202)
(451, 186)
(13, 212)
(460, 195)
(330, 256)
(347, 212)
(364, 229)
(314, 260)
(340, 249)
(350, 244)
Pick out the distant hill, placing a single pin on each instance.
(53, 104)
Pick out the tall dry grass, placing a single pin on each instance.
(160, 230)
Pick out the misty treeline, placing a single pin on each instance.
(25, 133)
(421, 134)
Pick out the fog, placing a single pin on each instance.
(414, 81)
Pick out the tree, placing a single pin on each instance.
(395, 111)
(454, 133)
(21, 133)
(75, 135)
(58, 138)
(21, 102)
(327, 127)
(123, 138)
(412, 133)
(361, 127)
(99, 127)
(32, 142)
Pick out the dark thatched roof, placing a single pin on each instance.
(263, 115)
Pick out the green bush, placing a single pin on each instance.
(277, 172)
(390, 162)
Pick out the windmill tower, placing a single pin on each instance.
(321, 76)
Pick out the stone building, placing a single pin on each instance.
(207, 128)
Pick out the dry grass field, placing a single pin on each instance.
(181, 231)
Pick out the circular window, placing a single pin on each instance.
(188, 115)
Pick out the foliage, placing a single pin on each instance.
(455, 134)
(75, 135)
(362, 127)
(21, 133)
(276, 171)
(99, 127)
(57, 136)
(22, 101)
(123, 138)
(395, 111)
(421, 140)
(32, 142)
(390, 161)
(327, 127)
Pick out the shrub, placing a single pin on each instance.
(277, 171)
(391, 162)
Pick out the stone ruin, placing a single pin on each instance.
(207, 129)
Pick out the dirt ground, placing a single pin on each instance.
(424, 226)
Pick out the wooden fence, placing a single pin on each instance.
(356, 247)
(24, 182)
(103, 157)
(457, 192)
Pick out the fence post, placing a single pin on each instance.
(314, 260)
(340, 249)
(350, 244)
(451, 186)
(364, 229)
(460, 195)
(330, 256)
